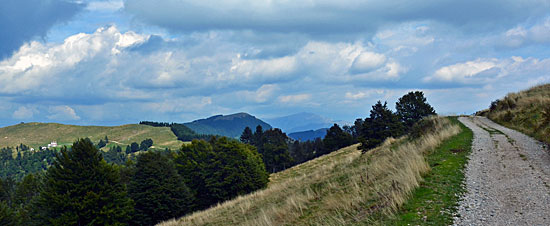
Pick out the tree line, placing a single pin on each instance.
(181, 131)
(280, 152)
(81, 188)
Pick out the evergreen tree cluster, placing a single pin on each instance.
(280, 152)
(25, 161)
(155, 124)
(81, 188)
(383, 123)
(272, 144)
(181, 131)
(103, 142)
(220, 169)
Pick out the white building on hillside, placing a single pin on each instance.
(53, 144)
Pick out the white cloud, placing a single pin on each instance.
(62, 113)
(181, 104)
(367, 61)
(356, 96)
(23, 113)
(492, 71)
(293, 99)
(106, 6)
(37, 64)
(461, 71)
(264, 69)
(521, 34)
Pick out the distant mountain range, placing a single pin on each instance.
(309, 135)
(226, 125)
(300, 122)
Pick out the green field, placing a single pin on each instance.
(41, 134)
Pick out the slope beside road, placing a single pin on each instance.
(507, 178)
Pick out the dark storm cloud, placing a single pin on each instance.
(22, 20)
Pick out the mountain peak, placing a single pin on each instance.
(231, 125)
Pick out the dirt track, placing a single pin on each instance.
(507, 178)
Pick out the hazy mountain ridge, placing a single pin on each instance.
(309, 135)
(300, 122)
(226, 125)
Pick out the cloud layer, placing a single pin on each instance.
(182, 60)
(23, 20)
(329, 17)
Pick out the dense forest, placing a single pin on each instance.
(181, 131)
(81, 185)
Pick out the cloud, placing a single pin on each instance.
(108, 6)
(329, 17)
(356, 96)
(462, 71)
(62, 113)
(269, 70)
(367, 61)
(49, 68)
(23, 20)
(490, 71)
(23, 113)
(294, 99)
(538, 33)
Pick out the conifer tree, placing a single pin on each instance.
(220, 170)
(80, 188)
(381, 124)
(412, 107)
(247, 136)
(336, 138)
(6, 214)
(158, 190)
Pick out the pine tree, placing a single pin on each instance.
(412, 107)
(336, 138)
(381, 124)
(220, 170)
(247, 137)
(146, 144)
(26, 191)
(158, 190)
(6, 214)
(80, 188)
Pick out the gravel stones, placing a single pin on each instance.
(507, 178)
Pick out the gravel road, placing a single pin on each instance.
(507, 178)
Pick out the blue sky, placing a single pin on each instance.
(116, 62)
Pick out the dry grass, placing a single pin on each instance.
(344, 187)
(526, 111)
(41, 134)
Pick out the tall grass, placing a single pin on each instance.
(344, 187)
(526, 111)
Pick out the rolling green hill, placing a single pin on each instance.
(40, 134)
(527, 111)
(226, 125)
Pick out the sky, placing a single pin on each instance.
(113, 62)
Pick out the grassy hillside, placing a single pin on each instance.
(344, 187)
(41, 134)
(527, 111)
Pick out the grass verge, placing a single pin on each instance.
(435, 201)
